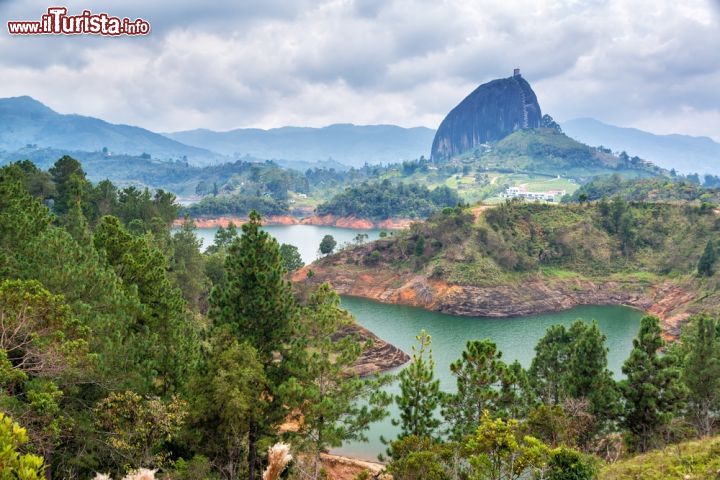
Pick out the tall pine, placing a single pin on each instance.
(257, 305)
(480, 375)
(652, 390)
(419, 393)
(701, 371)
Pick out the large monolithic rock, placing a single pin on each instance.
(491, 112)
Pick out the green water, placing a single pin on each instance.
(515, 337)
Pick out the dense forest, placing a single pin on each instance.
(382, 200)
(124, 346)
(237, 205)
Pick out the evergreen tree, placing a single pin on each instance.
(333, 403)
(587, 373)
(652, 390)
(701, 371)
(327, 245)
(291, 258)
(76, 224)
(164, 319)
(706, 264)
(257, 305)
(70, 182)
(187, 267)
(226, 401)
(546, 373)
(419, 393)
(480, 375)
(22, 219)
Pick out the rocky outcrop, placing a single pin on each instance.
(345, 468)
(490, 113)
(381, 356)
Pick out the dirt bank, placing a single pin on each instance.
(345, 468)
(324, 220)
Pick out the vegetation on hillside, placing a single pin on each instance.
(565, 416)
(691, 460)
(382, 200)
(519, 238)
(655, 189)
(549, 151)
(237, 205)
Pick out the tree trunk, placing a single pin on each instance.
(252, 450)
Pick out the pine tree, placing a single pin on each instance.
(701, 371)
(187, 267)
(480, 375)
(226, 402)
(706, 264)
(327, 245)
(548, 366)
(70, 182)
(164, 320)
(333, 403)
(291, 258)
(257, 305)
(587, 373)
(419, 393)
(652, 390)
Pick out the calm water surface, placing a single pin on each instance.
(306, 237)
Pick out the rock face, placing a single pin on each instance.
(379, 357)
(491, 112)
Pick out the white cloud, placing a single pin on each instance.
(270, 63)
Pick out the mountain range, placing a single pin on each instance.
(27, 124)
(352, 145)
(25, 121)
(684, 153)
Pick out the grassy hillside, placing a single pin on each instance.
(696, 460)
(547, 151)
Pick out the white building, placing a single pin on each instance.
(520, 192)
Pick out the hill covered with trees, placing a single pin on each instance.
(383, 200)
(654, 189)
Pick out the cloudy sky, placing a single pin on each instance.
(652, 64)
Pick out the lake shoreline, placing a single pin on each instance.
(351, 222)
(666, 299)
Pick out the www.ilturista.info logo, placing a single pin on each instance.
(57, 22)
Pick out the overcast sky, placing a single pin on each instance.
(652, 64)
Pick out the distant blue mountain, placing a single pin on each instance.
(684, 153)
(25, 121)
(349, 144)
